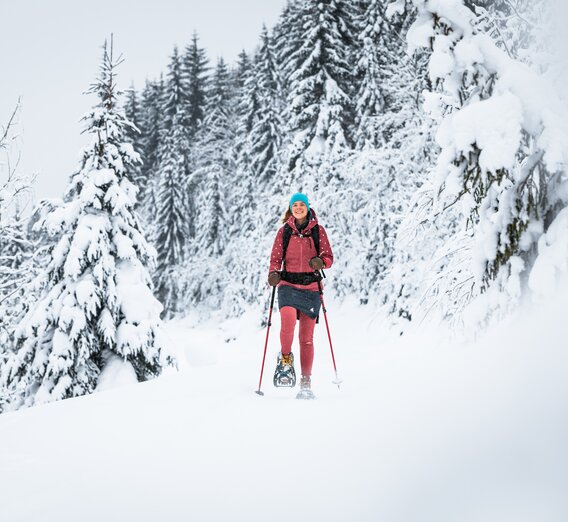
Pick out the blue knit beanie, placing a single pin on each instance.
(298, 196)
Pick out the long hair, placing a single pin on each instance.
(286, 215)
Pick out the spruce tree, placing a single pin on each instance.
(196, 67)
(320, 105)
(96, 303)
(245, 102)
(16, 269)
(175, 96)
(287, 38)
(265, 135)
(288, 34)
(16, 247)
(171, 229)
(132, 112)
(371, 67)
(215, 164)
(205, 271)
(150, 127)
(240, 74)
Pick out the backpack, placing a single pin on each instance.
(288, 231)
(301, 278)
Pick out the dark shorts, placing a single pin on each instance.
(305, 301)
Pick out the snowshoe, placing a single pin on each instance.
(305, 388)
(285, 375)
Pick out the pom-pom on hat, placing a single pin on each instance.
(298, 196)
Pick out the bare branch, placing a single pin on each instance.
(6, 131)
(519, 16)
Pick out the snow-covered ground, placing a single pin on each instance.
(420, 431)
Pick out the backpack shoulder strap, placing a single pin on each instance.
(286, 235)
(316, 238)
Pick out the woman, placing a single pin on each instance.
(300, 250)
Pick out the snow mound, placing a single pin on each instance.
(117, 372)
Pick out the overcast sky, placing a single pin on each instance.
(50, 52)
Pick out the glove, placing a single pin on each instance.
(316, 263)
(273, 278)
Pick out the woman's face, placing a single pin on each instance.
(299, 210)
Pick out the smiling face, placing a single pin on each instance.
(299, 211)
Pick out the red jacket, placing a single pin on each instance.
(300, 250)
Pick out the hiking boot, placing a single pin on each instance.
(305, 388)
(287, 360)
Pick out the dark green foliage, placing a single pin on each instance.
(196, 67)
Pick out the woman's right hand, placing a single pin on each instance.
(316, 263)
(273, 278)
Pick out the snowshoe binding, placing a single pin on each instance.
(305, 388)
(285, 375)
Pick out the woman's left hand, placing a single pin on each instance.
(316, 263)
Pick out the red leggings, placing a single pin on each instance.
(288, 316)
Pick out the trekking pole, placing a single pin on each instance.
(266, 342)
(337, 379)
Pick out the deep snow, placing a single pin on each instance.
(420, 431)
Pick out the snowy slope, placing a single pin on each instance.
(420, 431)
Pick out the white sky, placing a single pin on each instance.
(50, 52)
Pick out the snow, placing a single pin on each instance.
(422, 430)
(101, 177)
(124, 246)
(552, 260)
(420, 33)
(441, 62)
(494, 125)
(62, 346)
(394, 8)
(85, 290)
(137, 303)
(454, 12)
(116, 373)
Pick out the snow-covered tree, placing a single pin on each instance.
(503, 144)
(371, 97)
(171, 230)
(265, 137)
(175, 102)
(239, 74)
(196, 67)
(246, 106)
(96, 306)
(21, 256)
(215, 165)
(151, 131)
(288, 34)
(132, 112)
(16, 248)
(205, 270)
(320, 103)
(380, 59)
